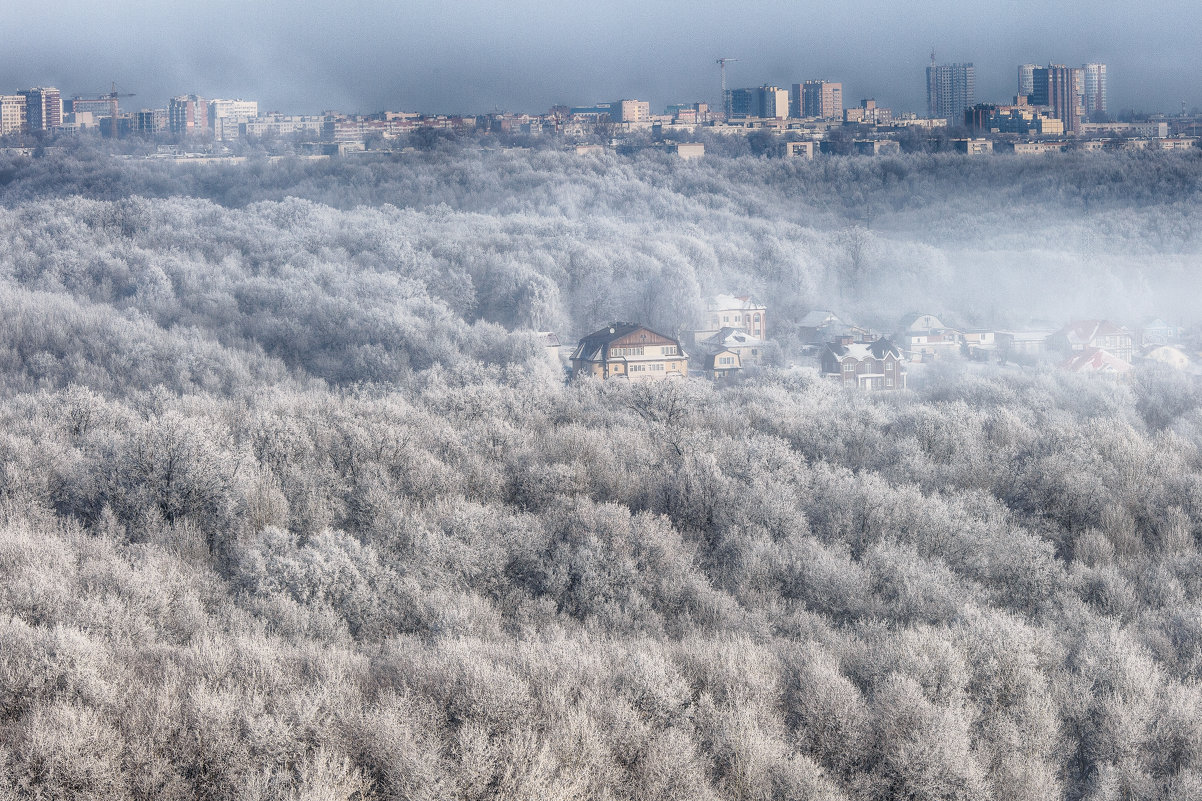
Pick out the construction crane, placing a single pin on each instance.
(725, 100)
(111, 97)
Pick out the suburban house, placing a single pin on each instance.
(1157, 332)
(731, 311)
(749, 347)
(924, 337)
(1095, 361)
(979, 343)
(632, 351)
(721, 364)
(1085, 334)
(869, 367)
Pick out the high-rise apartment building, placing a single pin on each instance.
(769, 102)
(1095, 90)
(1026, 79)
(822, 99)
(151, 120)
(43, 108)
(774, 102)
(629, 111)
(742, 103)
(226, 116)
(1056, 86)
(951, 89)
(187, 114)
(12, 114)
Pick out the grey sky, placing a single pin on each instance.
(524, 55)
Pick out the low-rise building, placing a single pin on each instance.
(924, 337)
(803, 149)
(721, 364)
(631, 351)
(868, 367)
(749, 347)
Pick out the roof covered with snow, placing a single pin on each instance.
(860, 351)
(1095, 360)
(729, 337)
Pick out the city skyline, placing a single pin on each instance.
(474, 56)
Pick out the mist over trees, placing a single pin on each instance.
(293, 504)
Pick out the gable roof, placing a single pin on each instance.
(880, 349)
(594, 346)
(729, 337)
(818, 318)
(1095, 360)
(1082, 332)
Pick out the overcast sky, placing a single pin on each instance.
(524, 55)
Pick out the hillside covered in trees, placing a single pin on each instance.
(293, 505)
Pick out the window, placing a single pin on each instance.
(615, 353)
(670, 350)
(848, 367)
(658, 367)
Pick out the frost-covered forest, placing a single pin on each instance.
(293, 504)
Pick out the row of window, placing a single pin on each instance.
(667, 350)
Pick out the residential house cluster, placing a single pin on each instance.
(730, 338)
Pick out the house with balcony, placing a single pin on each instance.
(630, 351)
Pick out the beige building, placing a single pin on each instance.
(630, 111)
(43, 108)
(227, 116)
(631, 351)
(822, 99)
(688, 150)
(721, 364)
(12, 114)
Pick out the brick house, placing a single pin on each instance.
(869, 367)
